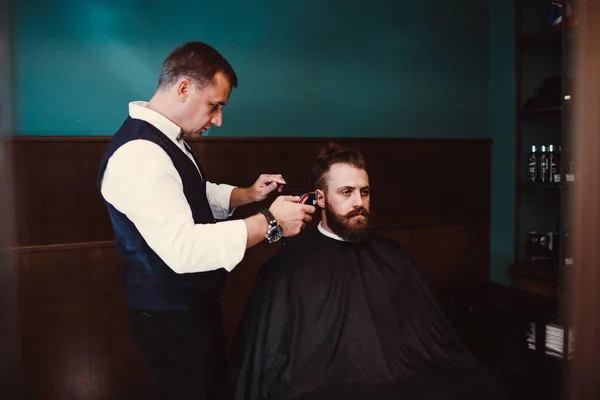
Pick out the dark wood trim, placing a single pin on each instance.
(253, 139)
(56, 139)
(110, 243)
(62, 247)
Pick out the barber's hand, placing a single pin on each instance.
(292, 216)
(264, 185)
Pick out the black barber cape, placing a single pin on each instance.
(328, 319)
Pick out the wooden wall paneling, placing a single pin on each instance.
(56, 198)
(76, 343)
(451, 256)
(415, 182)
(404, 237)
(447, 257)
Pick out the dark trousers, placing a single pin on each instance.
(184, 349)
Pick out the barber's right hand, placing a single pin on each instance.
(292, 216)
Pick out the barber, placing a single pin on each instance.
(163, 211)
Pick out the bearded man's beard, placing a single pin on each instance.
(347, 227)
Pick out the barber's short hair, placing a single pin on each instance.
(330, 155)
(197, 61)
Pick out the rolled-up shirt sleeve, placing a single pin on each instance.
(219, 197)
(141, 182)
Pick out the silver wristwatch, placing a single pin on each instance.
(274, 232)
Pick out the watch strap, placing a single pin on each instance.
(269, 216)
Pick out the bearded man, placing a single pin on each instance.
(342, 313)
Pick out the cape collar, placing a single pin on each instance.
(329, 234)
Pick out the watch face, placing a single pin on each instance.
(275, 233)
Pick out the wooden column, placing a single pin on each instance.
(586, 288)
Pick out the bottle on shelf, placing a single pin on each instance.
(554, 161)
(567, 246)
(544, 166)
(533, 175)
(571, 171)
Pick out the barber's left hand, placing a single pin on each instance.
(265, 184)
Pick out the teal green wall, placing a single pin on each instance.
(384, 68)
(306, 68)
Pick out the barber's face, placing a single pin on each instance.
(346, 204)
(203, 108)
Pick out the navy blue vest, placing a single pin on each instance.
(151, 284)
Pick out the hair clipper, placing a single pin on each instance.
(309, 198)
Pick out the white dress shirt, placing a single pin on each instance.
(327, 233)
(141, 182)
